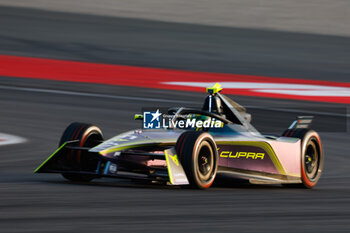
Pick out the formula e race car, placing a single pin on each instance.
(188, 153)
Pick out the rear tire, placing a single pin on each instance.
(312, 157)
(197, 152)
(89, 136)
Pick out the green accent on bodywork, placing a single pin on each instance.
(175, 159)
(168, 167)
(59, 148)
(214, 89)
(263, 145)
(138, 117)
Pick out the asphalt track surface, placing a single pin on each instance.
(327, 17)
(40, 110)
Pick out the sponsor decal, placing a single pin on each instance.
(156, 119)
(152, 120)
(245, 155)
(113, 168)
(175, 160)
(116, 154)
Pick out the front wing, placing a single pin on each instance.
(65, 160)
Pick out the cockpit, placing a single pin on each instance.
(220, 107)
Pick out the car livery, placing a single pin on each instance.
(193, 156)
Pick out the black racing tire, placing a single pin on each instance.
(312, 157)
(198, 154)
(88, 136)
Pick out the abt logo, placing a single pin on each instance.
(152, 120)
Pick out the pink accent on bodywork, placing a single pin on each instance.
(156, 163)
(289, 154)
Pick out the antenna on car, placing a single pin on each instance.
(212, 92)
(214, 89)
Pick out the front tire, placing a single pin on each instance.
(197, 152)
(88, 136)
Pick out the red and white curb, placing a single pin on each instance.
(235, 84)
(7, 139)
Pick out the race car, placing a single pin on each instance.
(193, 155)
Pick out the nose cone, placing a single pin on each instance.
(136, 138)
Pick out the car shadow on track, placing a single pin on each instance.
(218, 184)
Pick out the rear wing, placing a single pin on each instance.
(302, 122)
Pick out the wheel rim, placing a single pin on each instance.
(311, 160)
(205, 161)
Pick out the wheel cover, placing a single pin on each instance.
(205, 161)
(311, 160)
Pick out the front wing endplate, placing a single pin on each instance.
(177, 175)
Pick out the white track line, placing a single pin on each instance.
(7, 139)
(295, 89)
(50, 91)
(146, 99)
(299, 111)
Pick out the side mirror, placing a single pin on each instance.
(138, 117)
